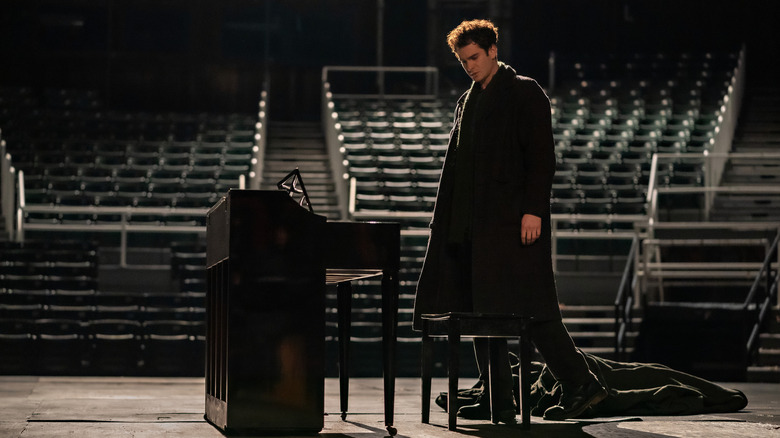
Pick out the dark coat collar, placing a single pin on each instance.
(497, 90)
(502, 80)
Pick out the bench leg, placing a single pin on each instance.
(344, 302)
(453, 365)
(525, 381)
(492, 374)
(427, 364)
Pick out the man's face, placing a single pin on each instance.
(479, 65)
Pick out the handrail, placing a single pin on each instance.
(331, 128)
(431, 80)
(261, 139)
(123, 226)
(709, 189)
(7, 193)
(719, 146)
(728, 118)
(765, 267)
(624, 302)
(770, 293)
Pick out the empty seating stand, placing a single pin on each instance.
(46, 292)
(610, 114)
(394, 149)
(75, 153)
(613, 113)
(55, 320)
(609, 118)
(79, 154)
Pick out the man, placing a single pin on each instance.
(490, 244)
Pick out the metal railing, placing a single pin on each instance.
(372, 82)
(648, 270)
(558, 235)
(7, 192)
(712, 165)
(123, 226)
(625, 301)
(332, 128)
(762, 298)
(261, 139)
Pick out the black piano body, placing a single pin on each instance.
(268, 263)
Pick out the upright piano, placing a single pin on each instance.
(268, 263)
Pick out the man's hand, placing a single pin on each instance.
(530, 229)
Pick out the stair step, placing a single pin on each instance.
(757, 147)
(768, 374)
(600, 339)
(769, 356)
(311, 176)
(288, 145)
(603, 352)
(296, 155)
(307, 172)
(300, 145)
(295, 134)
(758, 130)
(585, 310)
(320, 190)
(598, 321)
(309, 164)
(749, 166)
(770, 340)
(745, 201)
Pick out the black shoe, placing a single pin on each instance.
(466, 397)
(481, 411)
(506, 416)
(575, 400)
(477, 411)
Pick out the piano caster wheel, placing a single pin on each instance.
(391, 430)
(343, 416)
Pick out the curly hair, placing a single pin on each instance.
(481, 32)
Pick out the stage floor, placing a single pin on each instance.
(87, 407)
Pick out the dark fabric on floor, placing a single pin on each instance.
(634, 389)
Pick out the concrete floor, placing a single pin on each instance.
(89, 407)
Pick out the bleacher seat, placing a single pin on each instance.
(66, 155)
(173, 347)
(60, 346)
(114, 346)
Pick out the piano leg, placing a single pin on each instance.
(344, 303)
(389, 339)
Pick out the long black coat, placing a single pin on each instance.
(514, 167)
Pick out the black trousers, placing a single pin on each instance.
(552, 340)
(550, 337)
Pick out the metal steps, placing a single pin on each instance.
(593, 329)
(758, 131)
(301, 145)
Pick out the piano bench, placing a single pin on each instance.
(454, 326)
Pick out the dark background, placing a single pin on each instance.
(210, 55)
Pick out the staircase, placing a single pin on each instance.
(759, 123)
(301, 145)
(593, 329)
(767, 365)
(758, 131)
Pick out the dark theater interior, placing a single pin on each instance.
(214, 216)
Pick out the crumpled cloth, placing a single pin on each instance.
(635, 389)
